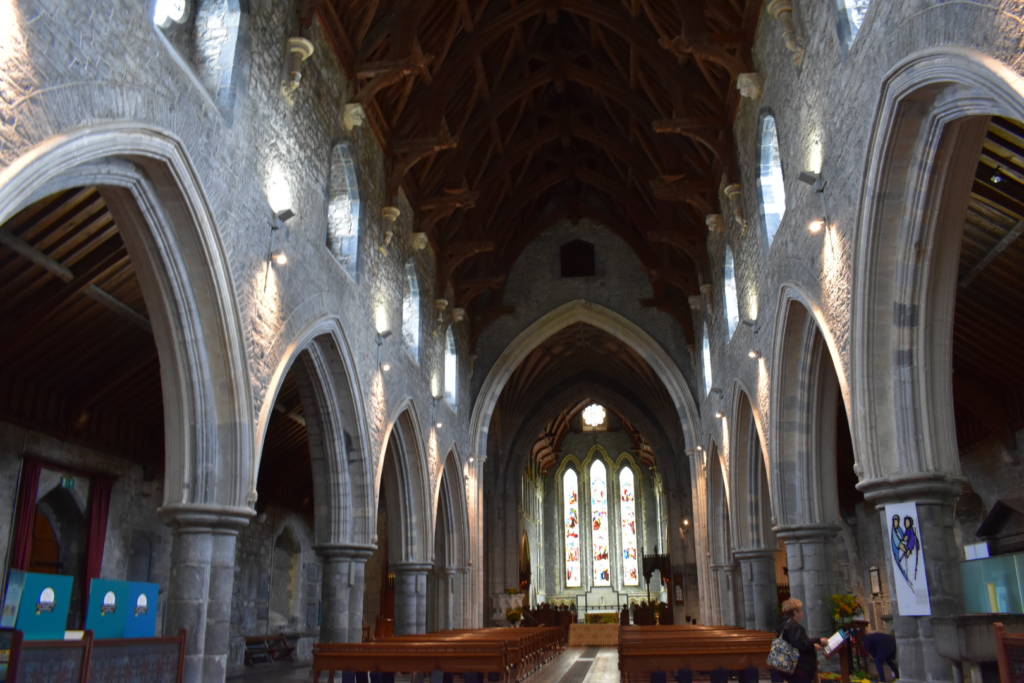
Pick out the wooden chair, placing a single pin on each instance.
(1010, 654)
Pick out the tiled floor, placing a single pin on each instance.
(574, 665)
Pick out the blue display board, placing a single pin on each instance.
(108, 607)
(143, 599)
(45, 600)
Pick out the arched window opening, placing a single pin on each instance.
(706, 358)
(450, 368)
(571, 516)
(732, 306)
(770, 183)
(851, 17)
(577, 259)
(627, 517)
(343, 207)
(169, 12)
(411, 309)
(600, 538)
(284, 581)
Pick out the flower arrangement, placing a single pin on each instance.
(514, 614)
(844, 607)
(512, 591)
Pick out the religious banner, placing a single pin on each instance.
(906, 557)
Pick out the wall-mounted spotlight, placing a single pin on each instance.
(815, 180)
(279, 223)
(439, 424)
(754, 354)
(381, 336)
(471, 458)
(815, 226)
(716, 391)
(719, 414)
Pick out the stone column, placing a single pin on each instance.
(445, 597)
(760, 591)
(201, 582)
(919, 658)
(720, 613)
(810, 577)
(460, 583)
(410, 597)
(342, 591)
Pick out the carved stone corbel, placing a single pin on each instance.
(782, 10)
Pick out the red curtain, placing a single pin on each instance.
(26, 514)
(99, 509)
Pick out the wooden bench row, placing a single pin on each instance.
(681, 651)
(506, 654)
(116, 660)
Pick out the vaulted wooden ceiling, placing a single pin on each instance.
(500, 117)
(988, 373)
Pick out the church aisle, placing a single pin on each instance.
(580, 665)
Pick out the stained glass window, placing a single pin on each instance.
(705, 355)
(570, 494)
(852, 16)
(769, 180)
(627, 513)
(451, 377)
(600, 538)
(411, 309)
(732, 306)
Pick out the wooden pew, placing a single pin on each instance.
(49, 661)
(380, 657)
(513, 652)
(646, 650)
(138, 660)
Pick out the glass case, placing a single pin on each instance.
(994, 584)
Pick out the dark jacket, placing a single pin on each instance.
(880, 645)
(794, 633)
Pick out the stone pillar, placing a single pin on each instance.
(720, 581)
(445, 597)
(760, 591)
(342, 591)
(460, 583)
(810, 577)
(934, 494)
(410, 597)
(201, 582)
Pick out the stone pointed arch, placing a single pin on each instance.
(451, 528)
(403, 443)
(751, 520)
(930, 118)
(342, 474)
(605, 319)
(800, 387)
(169, 230)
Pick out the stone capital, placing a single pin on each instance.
(345, 551)
(206, 518)
(411, 567)
(755, 554)
(925, 487)
(791, 533)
